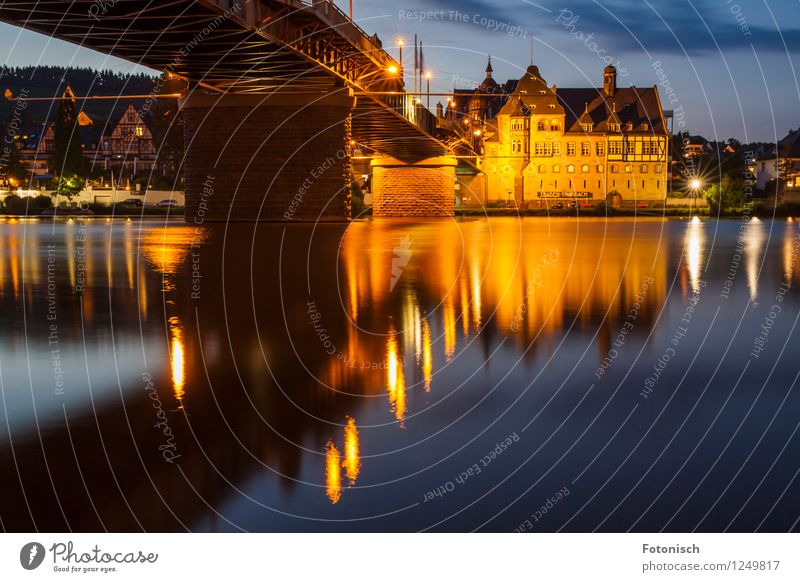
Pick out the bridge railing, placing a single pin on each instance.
(412, 110)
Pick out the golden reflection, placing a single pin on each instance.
(13, 248)
(754, 239)
(177, 359)
(449, 315)
(167, 248)
(395, 378)
(427, 354)
(696, 239)
(789, 253)
(476, 294)
(130, 257)
(352, 459)
(333, 473)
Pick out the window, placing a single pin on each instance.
(629, 126)
(659, 169)
(599, 184)
(587, 127)
(615, 148)
(540, 126)
(570, 184)
(556, 184)
(613, 127)
(555, 126)
(628, 168)
(584, 184)
(556, 148)
(600, 169)
(614, 169)
(556, 169)
(570, 148)
(645, 127)
(650, 148)
(139, 131)
(586, 148)
(643, 169)
(629, 184)
(585, 168)
(642, 184)
(600, 148)
(542, 169)
(658, 183)
(570, 169)
(538, 148)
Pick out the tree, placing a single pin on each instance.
(67, 158)
(14, 171)
(70, 186)
(728, 194)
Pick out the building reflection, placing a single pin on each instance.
(248, 385)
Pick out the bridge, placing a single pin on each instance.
(280, 93)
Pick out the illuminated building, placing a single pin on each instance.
(548, 145)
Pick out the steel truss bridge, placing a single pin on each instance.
(253, 47)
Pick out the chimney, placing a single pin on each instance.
(610, 81)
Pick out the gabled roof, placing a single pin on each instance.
(534, 93)
(627, 105)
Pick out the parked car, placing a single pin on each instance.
(167, 204)
(573, 205)
(136, 202)
(557, 206)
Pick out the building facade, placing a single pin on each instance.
(549, 146)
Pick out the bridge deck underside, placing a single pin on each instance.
(197, 40)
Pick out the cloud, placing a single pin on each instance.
(661, 26)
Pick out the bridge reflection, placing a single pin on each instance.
(247, 383)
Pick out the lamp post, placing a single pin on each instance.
(696, 185)
(428, 79)
(401, 43)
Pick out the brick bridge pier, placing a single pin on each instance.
(286, 157)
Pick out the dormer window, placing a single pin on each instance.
(645, 127)
(613, 127)
(587, 127)
(629, 126)
(552, 106)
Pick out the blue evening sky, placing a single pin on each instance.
(731, 65)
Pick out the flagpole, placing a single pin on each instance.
(416, 62)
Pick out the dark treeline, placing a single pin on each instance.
(48, 81)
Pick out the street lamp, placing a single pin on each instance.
(696, 185)
(428, 78)
(401, 43)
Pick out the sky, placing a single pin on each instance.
(729, 68)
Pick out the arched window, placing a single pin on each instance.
(585, 168)
(614, 169)
(555, 125)
(556, 169)
(542, 169)
(541, 126)
(628, 169)
(570, 169)
(600, 169)
(643, 169)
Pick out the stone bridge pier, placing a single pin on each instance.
(422, 189)
(277, 157)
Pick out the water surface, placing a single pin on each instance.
(502, 374)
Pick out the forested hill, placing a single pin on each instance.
(51, 81)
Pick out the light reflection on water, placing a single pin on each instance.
(487, 325)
